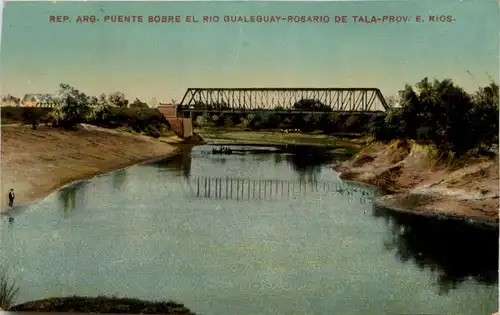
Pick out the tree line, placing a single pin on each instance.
(74, 107)
(444, 114)
(325, 120)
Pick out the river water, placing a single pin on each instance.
(260, 231)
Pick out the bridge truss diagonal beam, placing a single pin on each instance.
(251, 99)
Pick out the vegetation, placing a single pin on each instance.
(326, 121)
(103, 305)
(443, 114)
(75, 107)
(15, 115)
(8, 291)
(234, 135)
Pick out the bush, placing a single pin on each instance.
(24, 115)
(204, 121)
(442, 113)
(8, 291)
(147, 120)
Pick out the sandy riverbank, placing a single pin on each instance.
(35, 163)
(419, 182)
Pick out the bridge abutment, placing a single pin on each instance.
(182, 126)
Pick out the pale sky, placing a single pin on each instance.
(163, 60)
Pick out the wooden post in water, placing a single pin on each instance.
(231, 189)
(220, 188)
(238, 189)
(270, 195)
(205, 187)
(198, 188)
(253, 188)
(209, 186)
(265, 189)
(248, 188)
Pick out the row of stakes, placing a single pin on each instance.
(231, 188)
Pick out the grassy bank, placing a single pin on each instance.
(276, 137)
(37, 162)
(102, 305)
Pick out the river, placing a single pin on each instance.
(259, 231)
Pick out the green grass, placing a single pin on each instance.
(277, 138)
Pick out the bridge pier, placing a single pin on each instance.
(182, 126)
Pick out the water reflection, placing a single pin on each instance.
(119, 179)
(69, 195)
(180, 163)
(454, 251)
(307, 161)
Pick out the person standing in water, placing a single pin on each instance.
(12, 196)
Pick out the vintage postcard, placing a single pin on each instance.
(240, 157)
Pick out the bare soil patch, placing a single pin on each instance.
(419, 182)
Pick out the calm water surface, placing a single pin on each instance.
(199, 230)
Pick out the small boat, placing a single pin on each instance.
(222, 150)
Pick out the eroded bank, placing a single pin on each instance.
(418, 180)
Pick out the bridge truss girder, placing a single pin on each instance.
(252, 99)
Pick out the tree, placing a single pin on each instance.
(75, 105)
(311, 105)
(118, 99)
(138, 104)
(392, 101)
(443, 113)
(154, 102)
(484, 114)
(93, 101)
(103, 100)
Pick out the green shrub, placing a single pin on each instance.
(204, 121)
(24, 115)
(147, 120)
(444, 114)
(8, 291)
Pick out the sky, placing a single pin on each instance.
(162, 60)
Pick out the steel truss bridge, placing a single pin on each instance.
(235, 188)
(283, 100)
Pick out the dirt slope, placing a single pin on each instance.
(35, 163)
(418, 181)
